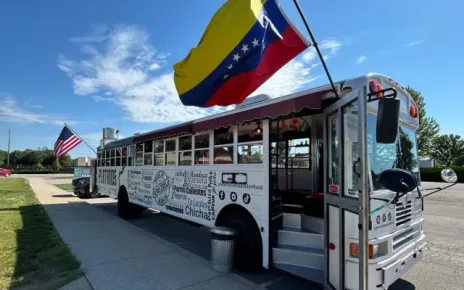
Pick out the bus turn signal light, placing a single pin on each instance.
(413, 111)
(354, 250)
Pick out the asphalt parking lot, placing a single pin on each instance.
(440, 268)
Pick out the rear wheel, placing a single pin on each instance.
(248, 245)
(127, 210)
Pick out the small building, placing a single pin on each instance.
(82, 162)
(426, 162)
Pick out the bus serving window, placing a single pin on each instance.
(148, 153)
(170, 155)
(159, 153)
(250, 143)
(202, 149)
(139, 154)
(224, 145)
(185, 150)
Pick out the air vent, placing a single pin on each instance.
(403, 212)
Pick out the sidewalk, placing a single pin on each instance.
(115, 254)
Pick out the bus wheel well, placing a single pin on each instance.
(228, 210)
(249, 245)
(122, 189)
(126, 209)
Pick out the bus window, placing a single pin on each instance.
(99, 158)
(224, 145)
(124, 156)
(159, 153)
(113, 157)
(131, 156)
(118, 156)
(202, 149)
(148, 153)
(170, 155)
(250, 143)
(185, 150)
(139, 154)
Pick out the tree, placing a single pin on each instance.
(56, 165)
(446, 148)
(428, 126)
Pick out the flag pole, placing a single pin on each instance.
(80, 138)
(316, 46)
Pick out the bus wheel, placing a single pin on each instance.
(248, 245)
(127, 210)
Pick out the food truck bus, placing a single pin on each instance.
(297, 176)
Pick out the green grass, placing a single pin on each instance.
(65, 186)
(32, 254)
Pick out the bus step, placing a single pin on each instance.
(295, 237)
(316, 275)
(292, 220)
(313, 224)
(299, 256)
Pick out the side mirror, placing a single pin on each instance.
(449, 175)
(387, 120)
(398, 180)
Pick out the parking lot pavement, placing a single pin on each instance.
(443, 264)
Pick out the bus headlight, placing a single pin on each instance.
(373, 250)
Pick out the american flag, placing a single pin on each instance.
(66, 142)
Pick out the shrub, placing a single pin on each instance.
(33, 171)
(434, 174)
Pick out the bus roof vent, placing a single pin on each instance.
(253, 101)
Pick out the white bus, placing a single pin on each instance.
(291, 175)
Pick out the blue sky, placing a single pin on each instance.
(96, 63)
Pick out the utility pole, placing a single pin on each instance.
(9, 144)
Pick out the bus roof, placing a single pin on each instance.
(263, 108)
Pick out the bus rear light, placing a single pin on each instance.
(413, 111)
(373, 250)
(332, 246)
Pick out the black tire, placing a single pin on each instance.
(127, 210)
(248, 245)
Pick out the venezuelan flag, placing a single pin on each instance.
(245, 43)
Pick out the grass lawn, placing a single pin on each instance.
(32, 254)
(65, 186)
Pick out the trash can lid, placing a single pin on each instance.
(224, 231)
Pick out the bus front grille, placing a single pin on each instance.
(403, 212)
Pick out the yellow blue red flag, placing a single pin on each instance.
(245, 43)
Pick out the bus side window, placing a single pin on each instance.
(139, 154)
(124, 156)
(131, 156)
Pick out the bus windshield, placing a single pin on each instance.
(401, 154)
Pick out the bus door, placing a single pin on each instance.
(342, 173)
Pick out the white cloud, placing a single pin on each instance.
(414, 43)
(361, 59)
(10, 112)
(121, 66)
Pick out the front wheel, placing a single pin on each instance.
(248, 245)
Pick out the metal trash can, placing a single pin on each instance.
(222, 249)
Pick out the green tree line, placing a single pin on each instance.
(445, 149)
(40, 157)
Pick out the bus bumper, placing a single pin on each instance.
(402, 262)
(384, 273)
